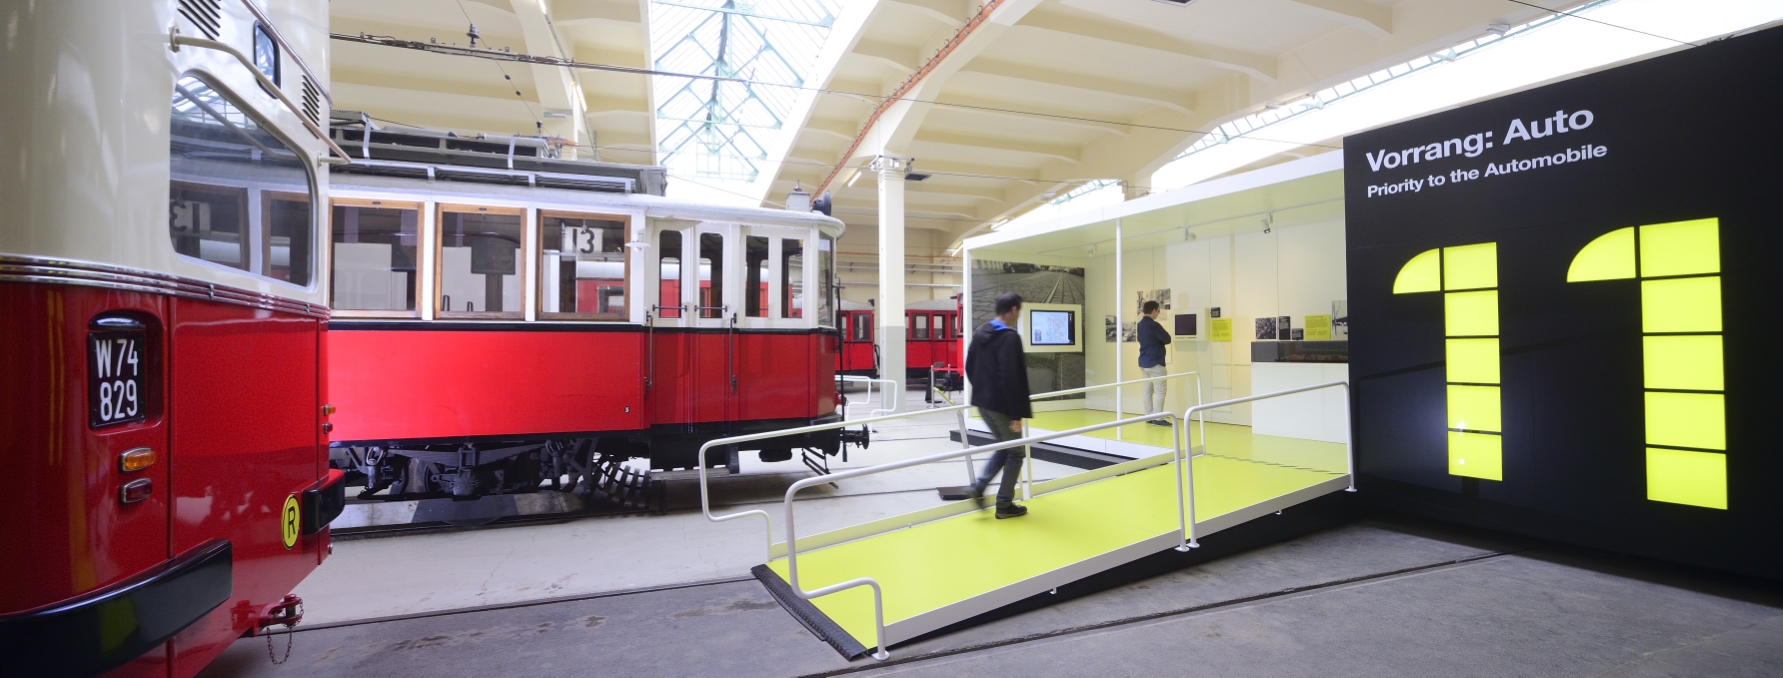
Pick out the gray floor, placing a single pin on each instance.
(1368, 599)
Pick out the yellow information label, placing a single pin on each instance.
(288, 522)
(1318, 327)
(1222, 329)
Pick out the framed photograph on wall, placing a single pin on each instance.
(1266, 329)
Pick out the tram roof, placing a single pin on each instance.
(653, 206)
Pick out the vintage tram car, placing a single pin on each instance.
(509, 321)
(933, 336)
(165, 327)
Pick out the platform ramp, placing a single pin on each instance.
(947, 564)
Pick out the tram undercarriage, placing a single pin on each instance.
(592, 468)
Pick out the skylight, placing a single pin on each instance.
(714, 134)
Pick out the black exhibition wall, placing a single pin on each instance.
(1567, 307)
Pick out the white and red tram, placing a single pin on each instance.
(162, 329)
(507, 322)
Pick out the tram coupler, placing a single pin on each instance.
(853, 437)
(287, 612)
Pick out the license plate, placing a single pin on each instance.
(116, 393)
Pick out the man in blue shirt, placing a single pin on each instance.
(1152, 341)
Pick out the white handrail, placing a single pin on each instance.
(792, 552)
(700, 461)
(1087, 389)
(884, 393)
(1349, 449)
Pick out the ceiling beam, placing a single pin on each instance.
(1181, 102)
(557, 88)
(951, 13)
(1119, 32)
(1372, 19)
(579, 12)
(985, 105)
(901, 57)
(979, 141)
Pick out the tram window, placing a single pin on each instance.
(863, 331)
(479, 261)
(792, 278)
(238, 196)
(374, 256)
(919, 326)
(711, 275)
(669, 268)
(210, 223)
(826, 281)
(940, 326)
(582, 268)
(287, 223)
(755, 288)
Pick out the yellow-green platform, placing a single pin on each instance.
(953, 562)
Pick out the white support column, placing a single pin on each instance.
(890, 310)
(966, 325)
(1120, 349)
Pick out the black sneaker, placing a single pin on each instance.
(1159, 422)
(977, 495)
(1011, 511)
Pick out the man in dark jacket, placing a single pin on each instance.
(999, 375)
(1153, 339)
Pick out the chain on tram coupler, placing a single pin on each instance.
(287, 613)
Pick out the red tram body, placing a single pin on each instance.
(933, 336)
(164, 333)
(505, 321)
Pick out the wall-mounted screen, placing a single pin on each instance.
(1052, 328)
(1188, 324)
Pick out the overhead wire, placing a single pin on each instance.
(1604, 23)
(538, 123)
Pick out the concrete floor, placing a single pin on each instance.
(666, 596)
(457, 569)
(1375, 598)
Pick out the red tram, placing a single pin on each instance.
(933, 336)
(165, 327)
(506, 321)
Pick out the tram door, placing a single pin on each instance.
(693, 329)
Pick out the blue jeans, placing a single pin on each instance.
(1008, 459)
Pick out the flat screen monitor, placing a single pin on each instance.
(1186, 325)
(1052, 328)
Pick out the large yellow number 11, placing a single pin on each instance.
(1679, 266)
(1468, 278)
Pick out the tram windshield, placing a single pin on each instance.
(238, 196)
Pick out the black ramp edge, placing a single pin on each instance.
(814, 620)
(1313, 515)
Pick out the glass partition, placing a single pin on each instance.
(479, 262)
(583, 272)
(374, 244)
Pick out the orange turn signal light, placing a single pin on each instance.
(136, 459)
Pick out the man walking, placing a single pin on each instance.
(1152, 340)
(999, 375)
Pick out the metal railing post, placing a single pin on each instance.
(1201, 411)
(1027, 465)
(1349, 435)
